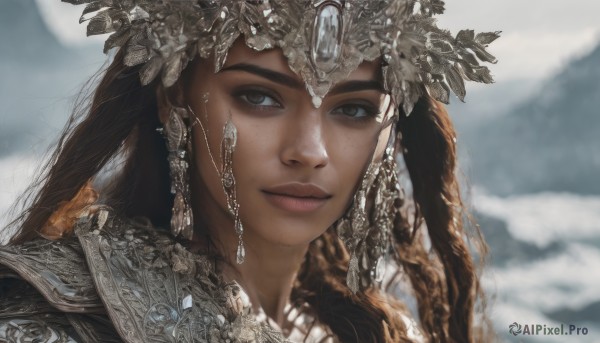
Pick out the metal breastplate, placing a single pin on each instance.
(119, 280)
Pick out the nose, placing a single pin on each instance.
(304, 142)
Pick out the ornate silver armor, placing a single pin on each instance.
(122, 280)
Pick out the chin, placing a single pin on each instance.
(288, 232)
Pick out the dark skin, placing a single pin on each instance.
(282, 139)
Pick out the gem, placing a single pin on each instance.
(186, 302)
(230, 135)
(326, 38)
(379, 269)
(239, 229)
(352, 277)
(241, 253)
(316, 100)
(362, 200)
(227, 180)
(177, 219)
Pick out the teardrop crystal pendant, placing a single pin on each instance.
(379, 270)
(230, 136)
(239, 228)
(241, 252)
(178, 216)
(352, 277)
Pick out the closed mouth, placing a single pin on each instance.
(299, 190)
(297, 197)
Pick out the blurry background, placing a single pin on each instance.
(530, 144)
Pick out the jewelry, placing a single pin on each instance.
(323, 40)
(389, 198)
(177, 135)
(228, 181)
(353, 227)
(228, 144)
(367, 236)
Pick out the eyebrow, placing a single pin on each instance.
(268, 74)
(356, 86)
(288, 81)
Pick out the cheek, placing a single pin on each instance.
(254, 155)
(382, 142)
(351, 151)
(207, 141)
(351, 154)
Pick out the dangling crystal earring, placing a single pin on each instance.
(228, 144)
(353, 227)
(367, 236)
(177, 135)
(228, 181)
(389, 198)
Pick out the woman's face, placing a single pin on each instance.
(296, 167)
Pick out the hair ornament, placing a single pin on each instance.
(323, 40)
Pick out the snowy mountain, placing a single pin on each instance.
(550, 142)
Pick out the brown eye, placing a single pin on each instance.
(257, 98)
(356, 111)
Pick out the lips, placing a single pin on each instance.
(299, 190)
(297, 197)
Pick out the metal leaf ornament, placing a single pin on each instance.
(323, 40)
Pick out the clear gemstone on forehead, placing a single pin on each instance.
(326, 38)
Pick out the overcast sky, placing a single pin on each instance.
(538, 35)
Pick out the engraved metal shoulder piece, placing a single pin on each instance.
(57, 270)
(157, 291)
(49, 296)
(42, 328)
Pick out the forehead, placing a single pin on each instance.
(275, 60)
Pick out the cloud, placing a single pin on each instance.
(534, 54)
(62, 19)
(563, 280)
(538, 37)
(546, 217)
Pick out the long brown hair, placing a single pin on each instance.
(119, 126)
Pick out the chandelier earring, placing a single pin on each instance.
(177, 135)
(366, 228)
(352, 228)
(228, 181)
(388, 200)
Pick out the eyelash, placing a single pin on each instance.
(242, 95)
(370, 111)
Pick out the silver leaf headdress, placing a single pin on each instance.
(323, 40)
